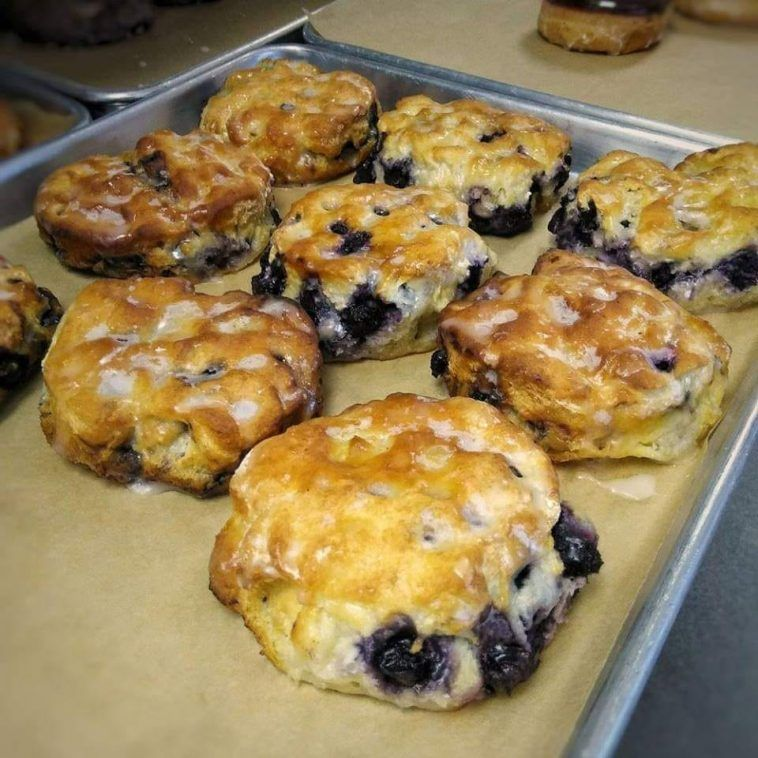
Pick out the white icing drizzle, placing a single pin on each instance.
(636, 487)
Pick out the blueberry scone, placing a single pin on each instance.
(691, 230)
(374, 265)
(28, 317)
(410, 549)
(503, 165)
(593, 361)
(11, 130)
(147, 380)
(305, 124)
(191, 205)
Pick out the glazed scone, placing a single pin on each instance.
(692, 231)
(503, 165)
(593, 361)
(149, 381)
(11, 130)
(373, 266)
(305, 124)
(28, 317)
(177, 205)
(615, 27)
(409, 549)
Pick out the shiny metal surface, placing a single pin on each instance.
(594, 131)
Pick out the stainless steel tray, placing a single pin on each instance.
(183, 42)
(594, 131)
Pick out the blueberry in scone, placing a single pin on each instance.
(505, 166)
(28, 317)
(373, 266)
(592, 361)
(692, 230)
(413, 550)
(148, 380)
(187, 205)
(305, 124)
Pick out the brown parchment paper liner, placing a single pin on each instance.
(39, 124)
(111, 643)
(699, 76)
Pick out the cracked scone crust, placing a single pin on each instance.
(28, 317)
(691, 230)
(190, 205)
(408, 549)
(373, 266)
(147, 380)
(594, 362)
(305, 124)
(505, 166)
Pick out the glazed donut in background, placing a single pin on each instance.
(191, 205)
(305, 124)
(615, 27)
(505, 166)
(592, 361)
(374, 265)
(409, 549)
(149, 381)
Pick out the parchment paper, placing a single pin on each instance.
(701, 76)
(111, 643)
(40, 124)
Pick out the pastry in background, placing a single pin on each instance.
(592, 361)
(374, 265)
(149, 381)
(28, 317)
(720, 11)
(77, 22)
(305, 124)
(192, 205)
(409, 549)
(692, 231)
(11, 130)
(615, 27)
(505, 166)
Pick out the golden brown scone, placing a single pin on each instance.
(305, 124)
(503, 165)
(721, 11)
(190, 205)
(28, 317)
(409, 549)
(373, 266)
(615, 27)
(692, 231)
(147, 380)
(11, 130)
(593, 361)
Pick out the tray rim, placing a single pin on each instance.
(614, 695)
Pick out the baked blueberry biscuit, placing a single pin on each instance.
(11, 130)
(190, 205)
(148, 380)
(503, 165)
(77, 22)
(692, 231)
(374, 265)
(28, 317)
(594, 362)
(305, 124)
(410, 549)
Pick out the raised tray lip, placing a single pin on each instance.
(639, 642)
(17, 84)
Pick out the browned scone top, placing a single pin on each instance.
(149, 380)
(305, 124)
(192, 205)
(593, 360)
(11, 134)
(28, 317)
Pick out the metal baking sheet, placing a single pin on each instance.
(638, 606)
(182, 41)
